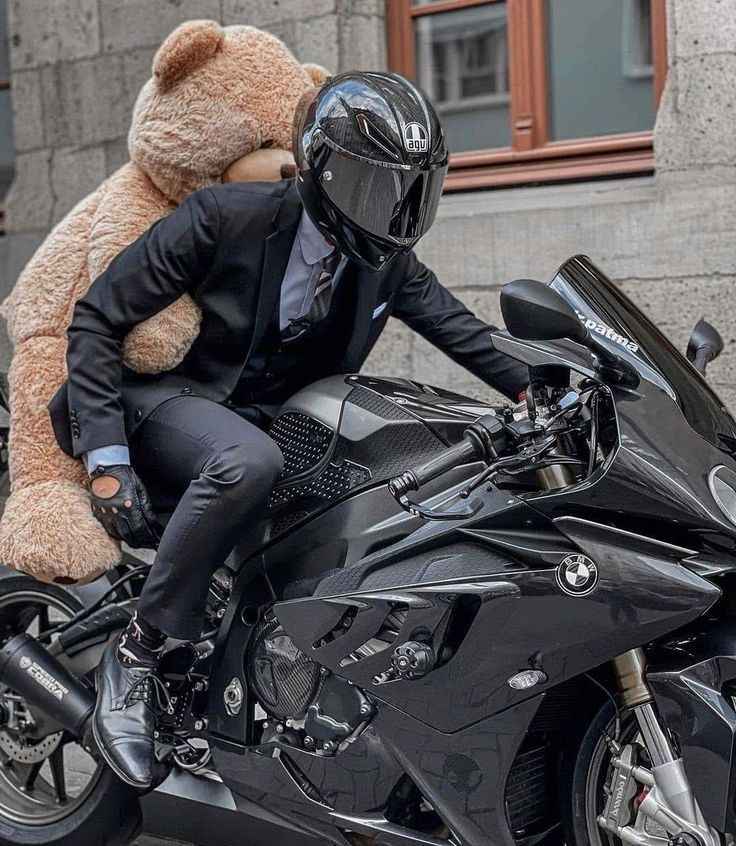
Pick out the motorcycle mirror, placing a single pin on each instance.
(705, 344)
(533, 311)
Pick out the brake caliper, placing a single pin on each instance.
(620, 809)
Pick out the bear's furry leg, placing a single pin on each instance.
(47, 529)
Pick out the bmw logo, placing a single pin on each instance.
(577, 575)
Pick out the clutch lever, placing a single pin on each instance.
(418, 510)
(479, 442)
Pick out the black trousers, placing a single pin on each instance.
(219, 470)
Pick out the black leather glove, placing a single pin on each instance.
(120, 502)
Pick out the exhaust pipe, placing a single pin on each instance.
(31, 672)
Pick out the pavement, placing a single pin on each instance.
(145, 840)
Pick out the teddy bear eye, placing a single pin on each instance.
(267, 143)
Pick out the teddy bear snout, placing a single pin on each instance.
(266, 164)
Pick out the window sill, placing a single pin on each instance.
(559, 161)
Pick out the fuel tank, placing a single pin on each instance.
(342, 438)
(346, 433)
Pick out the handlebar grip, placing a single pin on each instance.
(413, 478)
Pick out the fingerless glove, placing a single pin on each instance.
(120, 502)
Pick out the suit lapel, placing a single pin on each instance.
(275, 260)
(365, 301)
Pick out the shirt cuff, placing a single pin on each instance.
(105, 456)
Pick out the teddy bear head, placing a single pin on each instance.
(219, 106)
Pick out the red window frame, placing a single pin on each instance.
(531, 157)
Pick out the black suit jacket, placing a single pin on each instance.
(228, 246)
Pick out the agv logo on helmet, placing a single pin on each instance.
(415, 138)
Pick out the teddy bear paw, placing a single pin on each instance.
(48, 531)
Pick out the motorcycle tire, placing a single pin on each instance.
(108, 813)
(584, 770)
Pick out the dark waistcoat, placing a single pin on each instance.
(276, 371)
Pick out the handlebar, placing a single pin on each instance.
(481, 442)
(418, 475)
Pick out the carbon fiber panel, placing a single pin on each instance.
(306, 444)
(284, 680)
(303, 441)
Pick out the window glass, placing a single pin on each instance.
(6, 109)
(462, 64)
(600, 67)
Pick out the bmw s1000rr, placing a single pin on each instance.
(466, 624)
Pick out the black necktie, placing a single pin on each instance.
(320, 304)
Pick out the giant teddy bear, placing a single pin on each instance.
(219, 106)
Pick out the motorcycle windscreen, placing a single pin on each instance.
(613, 319)
(391, 204)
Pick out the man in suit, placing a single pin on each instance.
(295, 281)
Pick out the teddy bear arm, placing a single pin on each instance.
(131, 204)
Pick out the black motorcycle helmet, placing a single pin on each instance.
(371, 161)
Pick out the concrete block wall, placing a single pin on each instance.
(670, 247)
(668, 240)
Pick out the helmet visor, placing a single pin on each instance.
(389, 203)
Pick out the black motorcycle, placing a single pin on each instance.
(465, 625)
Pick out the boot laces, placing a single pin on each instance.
(150, 690)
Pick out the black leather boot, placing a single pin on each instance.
(125, 717)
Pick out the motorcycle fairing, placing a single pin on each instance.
(653, 481)
(693, 680)
(672, 428)
(464, 772)
(618, 324)
(524, 620)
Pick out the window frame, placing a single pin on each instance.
(531, 157)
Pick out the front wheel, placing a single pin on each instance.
(589, 781)
(53, 792)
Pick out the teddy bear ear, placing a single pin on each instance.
(317, 73)
(188, 47)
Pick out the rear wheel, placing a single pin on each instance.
(52, 790)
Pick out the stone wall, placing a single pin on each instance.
(668, 240)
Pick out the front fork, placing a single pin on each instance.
(668, 799)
